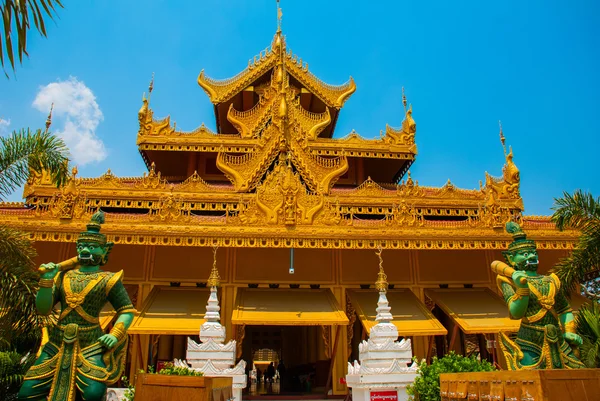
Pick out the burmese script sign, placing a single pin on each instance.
(384, 396)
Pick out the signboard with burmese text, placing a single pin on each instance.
(384, 395)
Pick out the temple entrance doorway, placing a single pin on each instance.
(286, 360)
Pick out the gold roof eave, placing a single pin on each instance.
(410, 316)
(220, 91)
(203, 231)
(474, 310)
(287, 307)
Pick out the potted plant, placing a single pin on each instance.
(179, 382)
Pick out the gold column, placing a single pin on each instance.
(314, 340)
(228, 292)
(192, 163)
(140, 343)
(179, 347)
(341, 356)
(165, 348)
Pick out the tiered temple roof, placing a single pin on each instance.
(274, 176)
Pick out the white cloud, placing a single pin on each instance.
(4, 124)
(76, 110)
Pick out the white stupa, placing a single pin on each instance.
(386, 366)
(212, 357)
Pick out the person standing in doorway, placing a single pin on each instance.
(282, 376)
(270, 375)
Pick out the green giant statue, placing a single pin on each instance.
(80, 360)
(547, 329)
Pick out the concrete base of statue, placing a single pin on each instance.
(115, 394)
(386, 366)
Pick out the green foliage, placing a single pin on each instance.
(13, 367)
(427, 384)
(170, 369)
(17, 14)
(588, 327)
(25, 151)
(580, 211)
(130, 392)
(20, 324)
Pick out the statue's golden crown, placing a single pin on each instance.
(92, 234)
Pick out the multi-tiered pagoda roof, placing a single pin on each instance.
(273, 175)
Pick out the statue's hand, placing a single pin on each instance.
(108, 340)
(573, 339)
(49, 270)
(517, 278)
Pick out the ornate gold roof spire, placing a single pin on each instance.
(49, 119)
(502, 138)
(279, 15)
(151, 87)
(214, 279)
(381, 284)
(404, 100)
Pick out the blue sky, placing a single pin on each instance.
(464, 65)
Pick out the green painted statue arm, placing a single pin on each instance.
(44, 301)
(119, 299)
(119, 330)
(568, 322)
(517, 297)
(125, 318)
(518, 307)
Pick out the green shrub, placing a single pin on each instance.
(170, 369)
(427, 384)
(130, 392)
(13, 367)
(588, 327)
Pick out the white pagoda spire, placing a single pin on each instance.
(385, 362)
(212, 329)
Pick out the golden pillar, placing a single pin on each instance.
(340, 365)
(139, 343)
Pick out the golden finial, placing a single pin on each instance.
(381, 284)
(214, 279)
(404, 100)
(151, 87)
(279, 15)
(502, 139)
(49, 119)
(74, 171)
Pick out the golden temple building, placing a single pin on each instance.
(296, 215)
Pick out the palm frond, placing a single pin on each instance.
(575, 211)
(18, 281)
(17, 15)
(13, 366)
(25, 151)
(15, 247)
(588, 327)
(580, 211)
(572, 270)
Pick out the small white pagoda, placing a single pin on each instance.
(386, 366)
(212, 357)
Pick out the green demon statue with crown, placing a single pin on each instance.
(80, 360)
(547, 330)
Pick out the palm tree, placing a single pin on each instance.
(17, 15)
(588, 327)
(580, 211)
(21, 154)
(13, 367)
